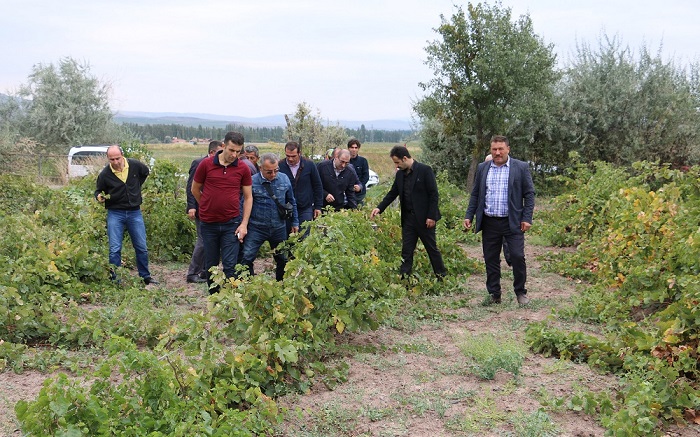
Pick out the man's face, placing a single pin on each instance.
(269, 170)
(400, 163)
(231, 151)
(354, 150)
(116, 159)
(499, 153)
(292, 156)
(341, 161)
(252, 157)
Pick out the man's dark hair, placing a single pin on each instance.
(213, 145)
(292, 145)
(234, 137)
(354, 141)
(500, 139)
(400, 152)
(250, 148)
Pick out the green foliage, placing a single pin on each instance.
(313, 134)
(492, 75)
(622, 107)
(638, 244)
(491, 354)
(169, 371)
(61, 105)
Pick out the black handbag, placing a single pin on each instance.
(286, 212)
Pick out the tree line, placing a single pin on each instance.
(164, 133)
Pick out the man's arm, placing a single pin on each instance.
(433, 195)
(317, 187)
(191, 201)
(197, 190)
(528, 195)
(242, 230)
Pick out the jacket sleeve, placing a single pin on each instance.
(390, 196)
(474, 197)
(528, 194)
(364, 176)
(433, 195)
(316, 186)
(191, 201)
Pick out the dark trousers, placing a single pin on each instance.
(220, 244)
(496, 231)
(197, 262)
(411, 231)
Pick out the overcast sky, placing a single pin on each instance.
(350, 59)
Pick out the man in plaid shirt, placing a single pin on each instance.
(502, 201)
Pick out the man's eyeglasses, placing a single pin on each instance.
(272, 171)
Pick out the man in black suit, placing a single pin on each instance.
(338, 180)
(503, 201)
(308, 188)
(416, 188)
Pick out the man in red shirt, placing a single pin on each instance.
(218, 184)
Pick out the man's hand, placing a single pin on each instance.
(191, 212)
(317, 213)
(330, 198)
(467, 224)
(374, 212)
(429, 223)
(100, 198)
(241, 232)
(295, 229)
(357, 188)
(525, 226)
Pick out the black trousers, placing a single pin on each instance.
(496, 231)
(411, 232)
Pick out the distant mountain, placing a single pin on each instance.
(214, 120)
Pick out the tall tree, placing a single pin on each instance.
(308, 129)
(493, 76)
(621, 107)
(64, 105)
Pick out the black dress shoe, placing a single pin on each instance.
(148, 280)
(195, 279)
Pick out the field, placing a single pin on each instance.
(344, 347)
(377, 154)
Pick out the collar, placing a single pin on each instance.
(217, 162)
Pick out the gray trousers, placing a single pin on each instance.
(197, 262)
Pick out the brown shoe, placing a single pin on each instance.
(522, 299)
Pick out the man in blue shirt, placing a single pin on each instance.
(501, 204)
(266, 221)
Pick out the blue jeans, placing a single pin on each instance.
(220, 243)
(117, 220)
(257, 235)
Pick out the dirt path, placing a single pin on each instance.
(419, 382)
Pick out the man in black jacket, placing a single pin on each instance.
(338, 179)
(119, 188)
(196, 273)
(308, 189)
(416, 188)
(361, 168)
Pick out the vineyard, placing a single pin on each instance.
(125, 360)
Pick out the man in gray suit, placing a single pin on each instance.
(503, 201)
